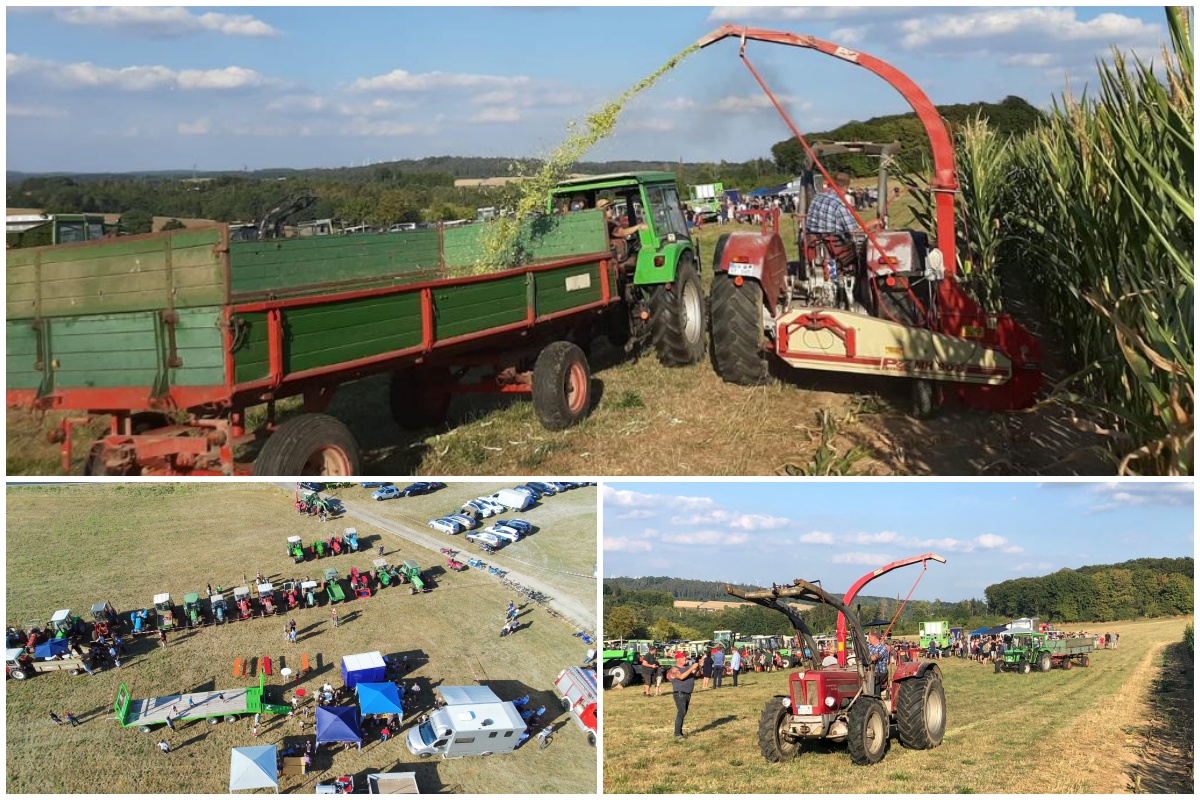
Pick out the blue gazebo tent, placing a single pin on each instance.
(363, 668)
(378, 698)
(253, 768)
(338, 724)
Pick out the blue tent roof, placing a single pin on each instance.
(338, 724)
(979, 632)
(766, 191)
(378, 698)
(51, 648)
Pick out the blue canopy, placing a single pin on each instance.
(338, 724)
(378, 698)
(767, 191)
(979, 632)
(51, 648)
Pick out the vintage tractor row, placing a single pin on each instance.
(856, 704)
(335, 545)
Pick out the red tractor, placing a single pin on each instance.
(845, 698)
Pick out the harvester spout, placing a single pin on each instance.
(720, 33)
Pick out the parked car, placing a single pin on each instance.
(561, 486)
(483, 537)
(421, 487)
(312, 487)
(504, 532)
(479, 508)
(373, 484)
(458, 526)
(533, 493)
(544, 488)
(517, 525)
(443, 526)
(466, 520)
(495, 507)
(386, 493)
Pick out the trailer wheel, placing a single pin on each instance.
(1067, 663)
(310, 444)
(923, 400)
(621, 675)
(214, 720)
(1045, 662)
(868, 735)
(677, 317)
(921, 712)
(738, 341)
(420, 397)
(562, 386)
(1086, 662)
(773, 742)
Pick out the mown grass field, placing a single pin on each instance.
(649, 420)
(1059, 732)
(74, 545)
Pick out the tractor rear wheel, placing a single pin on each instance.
(677, 317)
(773, 742)
(785, 663)
(562, 386)
(921, 711)
(621, 675)
(738, 341)
(1045, 662)
(310, 444)
(420, 397)
(999, 668)
(868, 735)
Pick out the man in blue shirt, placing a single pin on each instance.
(878, 656)
(828, 212)
(718, 667)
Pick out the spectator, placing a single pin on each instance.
(384, 734)
(163, 746)
(718, 667)
(54, 718)
(683, 682)
(648, 666)
(736, 665)
(706, 667)
(71, 719)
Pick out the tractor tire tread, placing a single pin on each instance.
(910, 711)
(769, 744)
(737, 339)
(860, 714)
(288, 449)
(550, 373)
(668, 328)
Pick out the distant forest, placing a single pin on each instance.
(1146, 587)
(416, 190)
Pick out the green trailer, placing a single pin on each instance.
(171, 337)
(228, 705)
(1029, 652)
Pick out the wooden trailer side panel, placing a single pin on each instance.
(175, 269)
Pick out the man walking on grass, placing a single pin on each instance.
(683, 682)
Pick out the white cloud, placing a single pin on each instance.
(817, 13)
(495, 98)
(1112, 495)
(1038, 23)
(86, 75)
(35, 112)
(816, 537)
(653, 125)
(712, 538)
(680, 104)
(365, 127)
(630, 499)
(619, 544)
(1037, 60)
(649, 533)
(163, 22)
(636, 514)
(863, 558)
(400, 80)
(746, 522)
(298, 104)
(736, 104)
(197, 128)
(495, 114)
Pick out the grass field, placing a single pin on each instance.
(1059, 732)
(74, 545)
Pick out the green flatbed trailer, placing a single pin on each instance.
(148, 715)
(1030, 652)
(173, 336)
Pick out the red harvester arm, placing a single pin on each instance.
(863, 581)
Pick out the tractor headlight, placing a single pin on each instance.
(787, 702)
(830, 702)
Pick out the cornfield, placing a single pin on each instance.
(1094, 209)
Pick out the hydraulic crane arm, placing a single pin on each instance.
(944, 184)
(864, 580)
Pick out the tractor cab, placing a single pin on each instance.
(308, 592)
(17, 663)
(164, 609)
(141, 621)
(295, 548)
(220, 608)
(104, 616)
(61, 623)
(192, 610)
(383, 573)
(241, 601)
(291, 594)
(333, 587)
(635, 197)
(350, 539)
(412, 573)
(267, 598)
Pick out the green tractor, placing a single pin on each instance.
(620, 659)
(295, 549)
(384, 574)
(192, 610)
(410, 572)
(658, 267)
(333, 587)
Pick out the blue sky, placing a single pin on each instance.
(762, 533)
(124, 88)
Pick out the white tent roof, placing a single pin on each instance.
(363, 661)
(253, 768)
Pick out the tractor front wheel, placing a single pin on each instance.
(921, 711)
(621, 675)
(868, 735)
(310, 444)
(562, 386)
(738, 341)
(773, 741)
(785, 663)
(1026, 668)
(1045, 662)
(677, 317)
(18, 674)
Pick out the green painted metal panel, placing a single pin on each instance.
(199, 342)
(181, 269)
(20, 355)
(334, 333)
(476, 307)
(287, 266)
(565, 288)
(251, 358)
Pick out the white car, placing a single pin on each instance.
(443, 526)
(479, 508)
(483, 537)
(504, 532)
(492, 505)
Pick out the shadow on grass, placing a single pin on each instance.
(1167, 761)
(716, 723)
